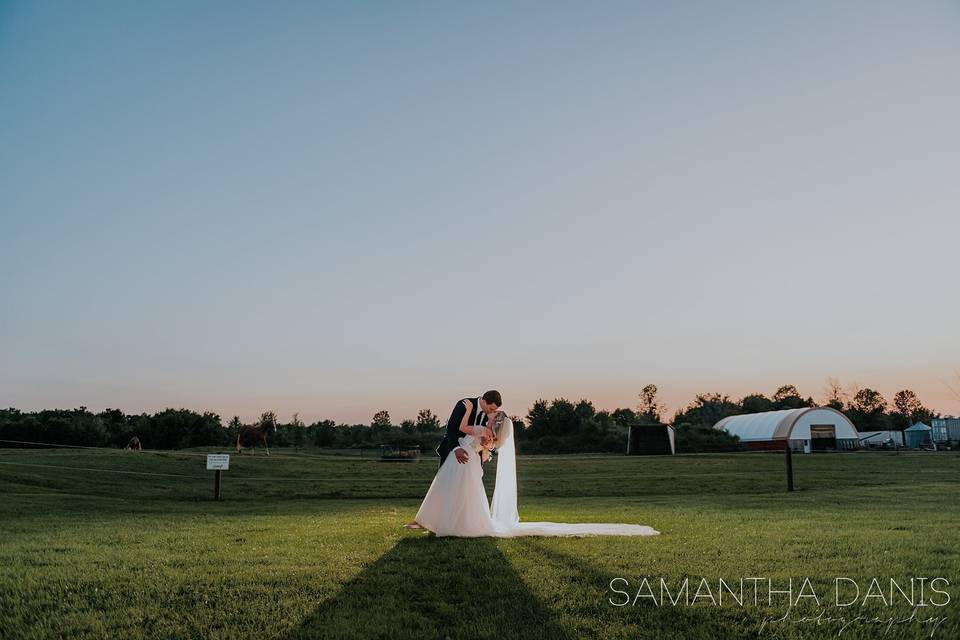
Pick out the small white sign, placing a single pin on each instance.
(219, 461)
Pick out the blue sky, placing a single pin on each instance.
(334, 208)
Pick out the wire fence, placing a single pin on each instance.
(340, 481)
(193, 454)
(100, 470)
(371, 453)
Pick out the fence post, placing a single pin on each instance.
(789, 456)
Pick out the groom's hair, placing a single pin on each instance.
(493, 397)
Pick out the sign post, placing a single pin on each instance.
(789, 457)
(217, 462)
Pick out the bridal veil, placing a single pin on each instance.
(506, 518)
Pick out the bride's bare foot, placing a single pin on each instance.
(413, 524)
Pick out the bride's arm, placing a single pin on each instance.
(466, 418)
(464, 428)
(464, 423)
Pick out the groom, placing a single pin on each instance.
(487, 403)
(481, 406)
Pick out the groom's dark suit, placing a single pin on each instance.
(452, 436)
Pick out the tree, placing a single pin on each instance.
(408, 426)
(707, 409)
(869, 401)
(381, 420)
(427, 421)
(698, 438)
(649, 408)
(834, 396)
(623, 417)
(867, 410)
(562, 418)
(115, 423)
(584, 411)
(562, 426)
(538, 419)
(788, 397)
(324, 433)
(756, 403)
(908, 409)
(233, 428)
(784, 392)
(295, 435)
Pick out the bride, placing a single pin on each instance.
(456, 503)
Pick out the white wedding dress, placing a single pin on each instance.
(456, 503)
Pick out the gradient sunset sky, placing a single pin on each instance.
(335, 208)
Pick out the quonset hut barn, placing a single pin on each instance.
(808, 429)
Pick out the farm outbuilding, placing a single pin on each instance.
(945, 430)
(651, 439)
(807, 429)
(918, 435)
(882, 439)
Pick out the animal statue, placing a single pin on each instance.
(250, 435)
(134, 444)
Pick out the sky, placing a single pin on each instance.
(336, 208)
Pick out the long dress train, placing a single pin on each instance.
(456, 502)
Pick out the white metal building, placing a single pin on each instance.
(872, 439)
(946, 430)
(807, 429)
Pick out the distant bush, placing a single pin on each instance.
(182, 428)
(560, 426)
(168, 429)
(699, 438)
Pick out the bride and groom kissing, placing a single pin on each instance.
(456, 502)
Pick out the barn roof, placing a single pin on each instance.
(774, 425)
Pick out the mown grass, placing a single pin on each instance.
(311, 546)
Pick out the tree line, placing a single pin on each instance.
(558, 426)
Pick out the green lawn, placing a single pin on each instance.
(311, 546)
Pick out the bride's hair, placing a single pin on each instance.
(499, 419)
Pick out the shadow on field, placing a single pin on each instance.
(434, 588)
(643, 619)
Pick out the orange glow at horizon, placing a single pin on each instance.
(939, 394)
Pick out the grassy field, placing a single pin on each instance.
(108, 544)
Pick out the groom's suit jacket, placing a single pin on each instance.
(452, 436)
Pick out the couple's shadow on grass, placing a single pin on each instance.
(466, 588)
(434, 588)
